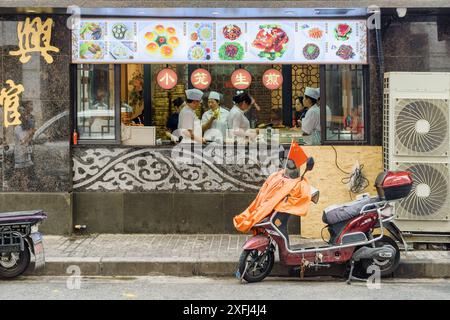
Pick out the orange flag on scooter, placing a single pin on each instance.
(297, 154)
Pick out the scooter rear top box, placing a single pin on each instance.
(393, 185)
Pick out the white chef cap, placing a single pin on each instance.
(214, 95)
(194, 94)
(312, 92)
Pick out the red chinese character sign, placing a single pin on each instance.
(201, 79)
(167, 78)
(241, 79)
(272, 79)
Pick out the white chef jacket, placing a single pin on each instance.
(188, 120)
(220, 124)
(238, 124)
(311, 123)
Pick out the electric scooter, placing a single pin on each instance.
(352, 244)
(19, 238)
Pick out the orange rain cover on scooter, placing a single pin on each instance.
(279, 193)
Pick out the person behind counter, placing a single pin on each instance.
(189, 126)
(299, 112)
(311, 122)
(214, 121)
(238, 124)
(172, 121)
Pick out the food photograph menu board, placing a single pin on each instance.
(219, 41)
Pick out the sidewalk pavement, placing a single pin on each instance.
(187, 255)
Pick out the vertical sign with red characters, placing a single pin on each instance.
(167, 78)
(201, 79)
(241, 79)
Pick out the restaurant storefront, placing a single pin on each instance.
(99, 150)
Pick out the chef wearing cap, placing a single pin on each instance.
(311, 122)
(189, 125)
(214, 121)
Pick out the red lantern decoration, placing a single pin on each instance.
(272, 79)
(241, 79)
(167, 78)
(201, 79)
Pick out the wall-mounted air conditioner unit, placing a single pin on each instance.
(416, 137)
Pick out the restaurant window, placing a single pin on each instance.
(96, 104)
(345, 104)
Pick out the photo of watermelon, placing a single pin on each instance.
(342, 31)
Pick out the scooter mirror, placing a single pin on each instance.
(281, 154)
(310, 164)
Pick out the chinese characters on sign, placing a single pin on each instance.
(167, 78)
(241, 79)
(272, 79)
(201, 79)
(9, 100)
(34, 36)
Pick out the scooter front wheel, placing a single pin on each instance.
(255, 266)
(15, 263)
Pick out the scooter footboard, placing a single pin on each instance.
(258, 242)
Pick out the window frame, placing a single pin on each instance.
(323, 99)
(117, 122)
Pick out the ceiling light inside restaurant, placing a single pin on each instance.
(215, 13)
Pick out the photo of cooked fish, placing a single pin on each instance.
(271, 41)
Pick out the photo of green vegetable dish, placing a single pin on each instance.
(231, 51)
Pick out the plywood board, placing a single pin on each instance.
(327, 178)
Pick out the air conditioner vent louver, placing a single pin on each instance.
(421, 127)
(429, 197)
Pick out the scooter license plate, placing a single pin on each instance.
(38, 250)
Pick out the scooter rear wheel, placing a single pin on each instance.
(18, 265)
(387, 267)
(255, 266)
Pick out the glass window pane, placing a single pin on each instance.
(345, 103)
(95, 109)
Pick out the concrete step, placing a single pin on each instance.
(187, 255)
(109, 266)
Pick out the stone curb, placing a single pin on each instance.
(191, 267)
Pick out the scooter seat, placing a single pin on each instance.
(336, 214)
(22, 216)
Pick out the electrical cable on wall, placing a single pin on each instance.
(356, 180)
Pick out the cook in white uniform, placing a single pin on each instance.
(311, 122)
(189, 126)
(238, 124)
(214, 121)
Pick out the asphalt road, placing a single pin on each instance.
(163, 287)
